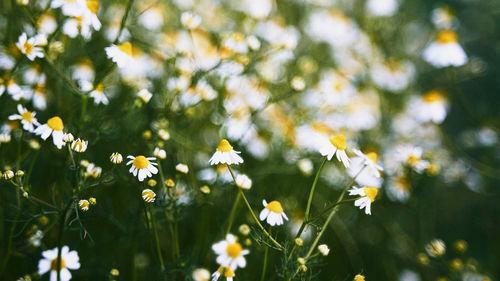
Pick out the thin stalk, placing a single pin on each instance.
(124, 19)
(233, 212)
(264, 266)
(253, 214)
(11, 233)
(62, 222)
(155, 231)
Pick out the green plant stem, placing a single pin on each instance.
(62, 223)
(253, 214)
(264, 266)
(157, 241)
(30, 169)
(11, 233)
(233, 212)
(124, 19)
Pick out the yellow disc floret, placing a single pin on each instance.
(447, 36)
(28, 48)
(126, 47)
(53, 264)
(372, 156)
(339, 142)
(55, 123)
(28, 116)
(234, 250)
(224, 146)
(93, 6)
(371, 192)
(432, 96)
(275, 207)
(140, 162)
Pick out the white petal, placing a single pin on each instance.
(263, 214)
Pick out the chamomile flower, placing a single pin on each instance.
(324, 250)
(445, 50)
(431, 107)
(190, 20)
(69, 260)
(272, 213)
(142, 167)
(370, 161)
(201, 274)
(160, 153)
(120, 54)
(53, 127)
(98, 95)
(243, 182)
(116, 158)
(224, 271)
(230, 253)
(368, 196)
(225, 154)
(336, 146)
(72, 8)
(79, 145)
(83, 205)
(27, 118)
(382, 8)
(29, 47)
(148, 195)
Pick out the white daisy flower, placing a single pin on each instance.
(90, 14)
(412, 156)
(200, 274)
(225, 154)
(370, 161)
(273, 213)
(182, 168)
(53, 127)
(230, 253)
(225, 271)
(336, 146)
(368, 196)
(93, 171)
(190, 20)
(83, 205)
(243, 182)
(160, 153)
(431, 107)
(399, 189)
(72, 8)
(98, 95)
(29, 46)
(120, 54)
(445, 51)
(27, 118)
(69, 260)
(116, 158)
(382, 8)
(79, 145)
(148, 195)
(142, 167)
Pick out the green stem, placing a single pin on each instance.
(253, 214)
(155, 231)
(233, 212)
(62, 222)
(264, 266)
(124, 19)
(11, 233)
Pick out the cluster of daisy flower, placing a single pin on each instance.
(306, 88)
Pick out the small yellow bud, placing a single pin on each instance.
(92, 201)
(244, 229)
(19, 173)
(422, 259)
(152, 183)
(170, 183)
(456, 264)
(205, 189)
(303, 268)
(460, 246)
(114, 272)
(147, 134)
(359, 277)
(248, 242)
(299, 242)
(182, 168)
(301, 260)
(43, 220)
(7, 175)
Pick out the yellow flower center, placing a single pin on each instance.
(228, 272)
(126, 47)
(338, 86)
(403, 183)
(413, 160)
(224, 146)
(93, 6)
(234, 250)
(28, 48)
(447, 36)
(371, 192)
(77, 146)
(79, 20)
(372, 156)
(53, 264)
(11, 82)
(55, 123)
(359, 278)
(275, 207)
(100, 88)
(140, 162)
(338, 141)
(432, 96)
(28, 116)
(148, 195)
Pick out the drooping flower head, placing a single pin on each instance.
(54, 127)
(336, 146)
(368, 196)
(225, 154)
(273, 213)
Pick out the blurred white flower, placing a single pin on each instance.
(445, 50)
(69, 260)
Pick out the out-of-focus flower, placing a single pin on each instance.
(272, 213)
(226, 271)
(190, 20)
(336, 146)
(399, 188)
(445, 50)
(142, 167)
(27, 118)
(205, 189)
(368, 196)
(359, 277)
(230, 253)
(243, 182)
(244, 229)
(431, 107)
(435, 248)
(201, 274)
(116, 158)
(70, 8)
(68, 137)
(9, 174)
(148, 195)
(382, 8)
(225, 154)
(145, 95)
(69, 260)
(79, 145)
(160, 153)
(54, 127)
(182, 168)
(393, 75)
(98, 95)
(121, 54)
(93, 170)
(29, 47)
(443, 17)
(323, 249)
